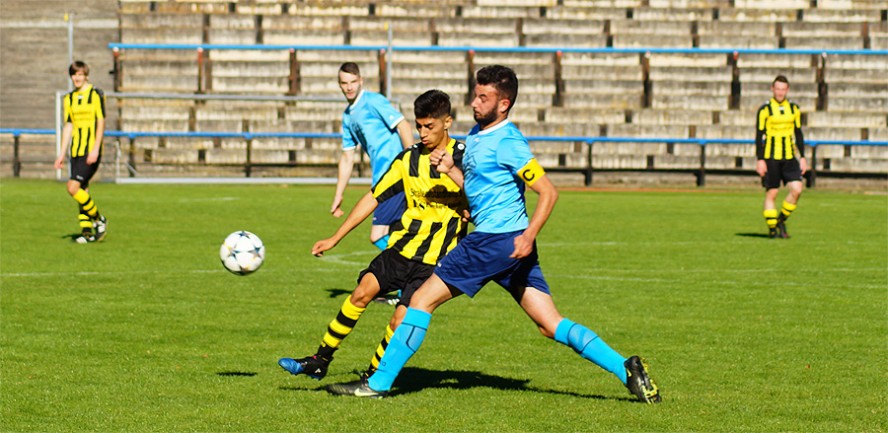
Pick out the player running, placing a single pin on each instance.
(430, 227)
(498, 166)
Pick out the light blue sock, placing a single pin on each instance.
(404, 343)
(382, 243)
(587, 343)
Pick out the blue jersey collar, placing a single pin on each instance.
(494, 128)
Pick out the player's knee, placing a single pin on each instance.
(73, 187)
(361, 297)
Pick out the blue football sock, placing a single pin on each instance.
(406, 341)
(587, 343)
(382, 243)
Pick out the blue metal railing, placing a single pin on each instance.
(587, 171)
(598, 50)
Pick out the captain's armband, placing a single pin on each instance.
(531, 172)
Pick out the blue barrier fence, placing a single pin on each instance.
(480, 49)
(587, 171)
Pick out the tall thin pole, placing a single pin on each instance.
(69, 18)
(388, 64)
(58, 128)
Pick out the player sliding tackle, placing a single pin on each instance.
(430, 227)
(498, 166)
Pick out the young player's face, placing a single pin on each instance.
(351, 85)
(780, 90)
(433, 131)
(487, 105)
(79, 79)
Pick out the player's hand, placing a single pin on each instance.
(523, 247)
(59, 163)
(762, 168)
(322, 245)
(803, 164)
(466, 215)
(441, 160)
(92, 157)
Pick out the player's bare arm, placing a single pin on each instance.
(93, 155)
(67, 131)
(346, 164)
(539, 183)
(363, 209)
(406, 134)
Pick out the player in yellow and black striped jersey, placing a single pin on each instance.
(431, 225)
(780, 154)
(82, 146)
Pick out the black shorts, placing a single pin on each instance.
(396, 272)
(784, 170)
(81, 171)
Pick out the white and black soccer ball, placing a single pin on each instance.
(242, 252)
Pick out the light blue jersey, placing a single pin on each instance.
(491, 163)
(372, 121)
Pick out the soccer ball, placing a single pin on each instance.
(242, 252)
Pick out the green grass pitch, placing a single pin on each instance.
(147, 332)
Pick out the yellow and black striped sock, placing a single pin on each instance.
(85, 223)
(380, 350)
(770, 217)
(339, 328)
(87, 205)
(787, 210)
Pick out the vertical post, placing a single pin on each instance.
(558, 98)
(388, 63)
(16, 161)
(132, 155)
(383, 72)
(588, 172)
(116, 69)
(812, 169)
(69, 17)
(294, 80)
(248, 169)
(58, 130)
(701, 174)
(200, 69)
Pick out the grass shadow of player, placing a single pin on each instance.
(71, 237)
(236, 373)
(414, 379)
(752, 235)
(337, 292)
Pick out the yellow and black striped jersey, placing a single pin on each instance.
(779, 131)
(83, 108)
(432, 222)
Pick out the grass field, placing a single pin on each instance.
(147, 332)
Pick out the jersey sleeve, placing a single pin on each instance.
(348, 140)
(391, 182)
(517, 157)
(68, 114)
(761, 122)
(799, 137)
(100, 103)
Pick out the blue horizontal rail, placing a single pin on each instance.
(16, 132)
(599, 50)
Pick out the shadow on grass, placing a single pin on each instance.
(752, 235)
(335, 293)
(413, 379)
(237, 373)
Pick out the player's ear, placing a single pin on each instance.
(448, 122)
